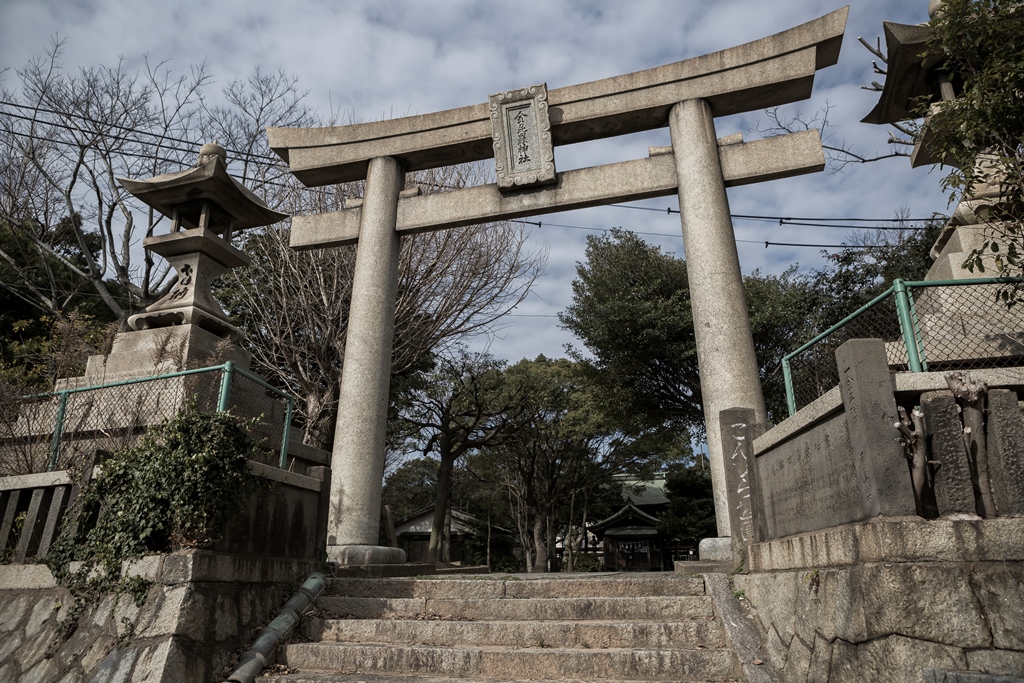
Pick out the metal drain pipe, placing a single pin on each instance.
(258, 656)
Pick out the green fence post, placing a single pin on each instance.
(787, 377)
(287, 433)
(907, 325)
(225, 386)
(58, 431)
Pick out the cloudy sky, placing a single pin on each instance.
(384, 58)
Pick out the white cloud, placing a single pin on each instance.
(392, 57)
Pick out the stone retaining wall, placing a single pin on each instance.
(201, 609)
(883, 600)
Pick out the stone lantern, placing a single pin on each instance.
(206, 206)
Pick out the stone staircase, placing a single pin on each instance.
(646, 627)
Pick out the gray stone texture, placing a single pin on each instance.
(729, 375)
(954, 491)
(743, 636)
(739, 428)
(775, 70)
(358, 457)
(887, 621)
(942, 676)
(201, 608)
(808, 481)
(502, 628)
(715, 550)
(910, 539)
(749, 162)
(865, 384)
(1005, 432)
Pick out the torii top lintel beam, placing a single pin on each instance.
(764, 73)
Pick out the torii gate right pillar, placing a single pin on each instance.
(729, 376)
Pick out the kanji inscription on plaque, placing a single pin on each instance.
(521, 132)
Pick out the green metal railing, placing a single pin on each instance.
(938, 325)
(111, 416)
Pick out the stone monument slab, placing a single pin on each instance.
(953, 489)
(1005, 431)
(883, 478)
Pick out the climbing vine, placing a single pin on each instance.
(171, 491)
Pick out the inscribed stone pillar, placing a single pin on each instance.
(725, 348)
(739, 429)
(883, 477)
(954, 491)
(357, 462)
(1005, 432)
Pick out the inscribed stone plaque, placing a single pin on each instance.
(521, 133)
(954, 491)
(883, 478)
(808, 482)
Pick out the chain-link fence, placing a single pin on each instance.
(53, 431)
(926, 326)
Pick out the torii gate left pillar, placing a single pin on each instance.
(520, 128)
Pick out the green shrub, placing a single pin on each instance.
(171, 491)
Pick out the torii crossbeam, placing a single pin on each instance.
(520, 129)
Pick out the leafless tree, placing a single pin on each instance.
(294, 305)
(64, 137)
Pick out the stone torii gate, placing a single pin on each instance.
(520, 129)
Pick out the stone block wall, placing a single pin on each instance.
(200, 610)
(881, 601)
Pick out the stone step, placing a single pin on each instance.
(527, 663)
(324, 677)
(614, 585)
(557, 634)
(661, 608)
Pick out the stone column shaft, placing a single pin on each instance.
(357, 461)
(729, 375)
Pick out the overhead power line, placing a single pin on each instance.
(542, 224)
(821, 222)
(191, 143)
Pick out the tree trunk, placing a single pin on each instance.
(444, 493)
(540, 557)
(552, 550)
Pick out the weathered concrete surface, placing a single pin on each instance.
(654, 607)
(743, 636)
(560, 634)
(954, 491)
(358, 457)
(496, 587)
(715, 550)
(200, 609)
(774, 70)
(908, 539)
(887, 621)
(729, 376)
(750, 162)
(1005, 435)
(607, 627)
(865, 384)
(808, 482)
(748, 525)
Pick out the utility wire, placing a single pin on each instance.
(815, 222)
(161, 136)
(782, 220)
(541, 224)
